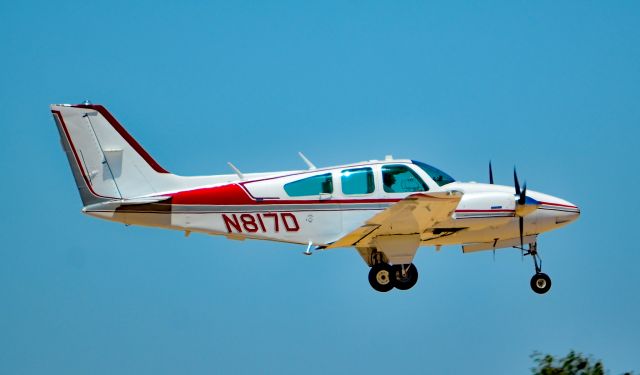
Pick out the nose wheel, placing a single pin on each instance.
(540, 282)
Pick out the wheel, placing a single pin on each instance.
(540, 283)
(408, 280)
(380, 277)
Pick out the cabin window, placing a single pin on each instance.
(437, 175)
(357, 181)
(398, 178)
(314, 185)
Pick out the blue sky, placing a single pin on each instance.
(552, 87)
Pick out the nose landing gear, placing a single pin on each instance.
(540, 282)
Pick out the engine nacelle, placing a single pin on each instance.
(486, 208)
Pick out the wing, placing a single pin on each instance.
(498, 244)
(412, 215)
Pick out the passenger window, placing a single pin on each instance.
(357, 181)
(401, 179)
(314, 185)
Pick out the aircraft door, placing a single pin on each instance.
(357, 188)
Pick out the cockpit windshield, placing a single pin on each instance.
(437, 175)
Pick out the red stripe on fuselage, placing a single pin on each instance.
(233, 194)
(327, 169)
(220, 195)
(558, 204)
(484, 210)
(236, 195)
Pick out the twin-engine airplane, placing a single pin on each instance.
(385, 209)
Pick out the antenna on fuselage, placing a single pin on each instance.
(236, 170)
(308, 251)
(307, 161)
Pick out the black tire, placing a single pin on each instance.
(405, 282)
(381, 277)
(540, 283)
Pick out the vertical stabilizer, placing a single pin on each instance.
(106, 161)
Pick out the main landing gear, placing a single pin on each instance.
(540, 282)
(384, 277)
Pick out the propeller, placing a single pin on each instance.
(490, 173)
(522, 196)
(524, 205)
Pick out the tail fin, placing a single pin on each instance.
(107, 163)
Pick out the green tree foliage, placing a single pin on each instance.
(573, 364)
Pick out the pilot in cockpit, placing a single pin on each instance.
(388, 180)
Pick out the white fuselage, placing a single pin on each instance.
(260, 208)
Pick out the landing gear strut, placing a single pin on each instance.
(540, 282)
(405, 276)
(384, 277)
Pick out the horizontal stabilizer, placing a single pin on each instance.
(144, 200)
(112, 205)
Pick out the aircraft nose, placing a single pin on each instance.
(565, 212)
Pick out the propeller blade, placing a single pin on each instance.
(521, 222)
(515, 181)
(523, 195)
(490, 173)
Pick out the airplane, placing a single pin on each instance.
(385, 209)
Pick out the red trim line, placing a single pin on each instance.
(485, 210)
(427, 195)
(231, 194)
(325, 170)
(235, 194)
(558, 204)
(124, 134)
(328, 201)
